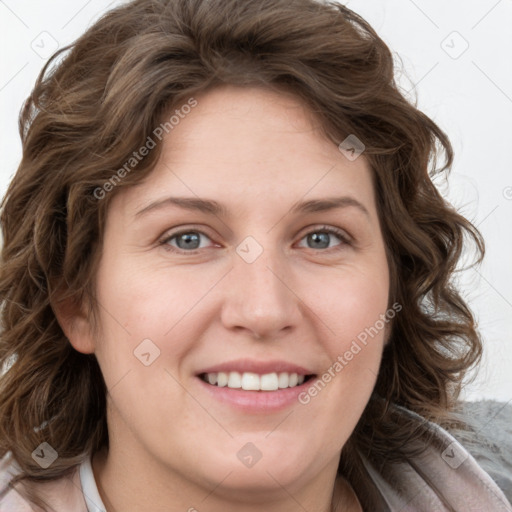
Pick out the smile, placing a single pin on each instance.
(250, 381)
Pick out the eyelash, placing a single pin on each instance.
(344, 238)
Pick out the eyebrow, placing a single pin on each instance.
(212, 207)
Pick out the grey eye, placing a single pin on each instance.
(186, 240)
(319, 240)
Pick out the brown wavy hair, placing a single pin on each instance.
(96, 101)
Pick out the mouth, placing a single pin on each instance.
(251, 381)
(255, 386)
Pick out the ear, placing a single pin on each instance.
(76, 324)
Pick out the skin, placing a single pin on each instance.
(257, 153)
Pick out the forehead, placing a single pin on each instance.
(251, 147)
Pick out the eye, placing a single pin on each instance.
(185, 241)
(320, 238)
(190, 240)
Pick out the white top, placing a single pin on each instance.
(90, 489)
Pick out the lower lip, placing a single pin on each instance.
(256, 401)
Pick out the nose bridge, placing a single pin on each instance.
(260, 296)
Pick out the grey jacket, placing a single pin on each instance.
(460, 471)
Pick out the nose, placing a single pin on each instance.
(260, 297)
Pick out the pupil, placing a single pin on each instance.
(189, 239)
(322, 238)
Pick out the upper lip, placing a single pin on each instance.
(259, 367)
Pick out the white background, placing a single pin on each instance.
(467, 91)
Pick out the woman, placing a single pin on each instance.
(226, 275)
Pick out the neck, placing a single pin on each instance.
(145, 488)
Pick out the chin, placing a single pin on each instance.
(257, 467)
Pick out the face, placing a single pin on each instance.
(252, 255)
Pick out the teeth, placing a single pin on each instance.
(269, 382)
(283, 380)
(249, 381)
(234, 380)
(222, 379)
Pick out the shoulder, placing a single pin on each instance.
(448, 469)
(488, 438)
(10, 499)
(60, 495)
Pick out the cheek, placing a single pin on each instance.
(141, 302)
(136, 307)
(351, 304)
(353, 313)
(361, 312)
